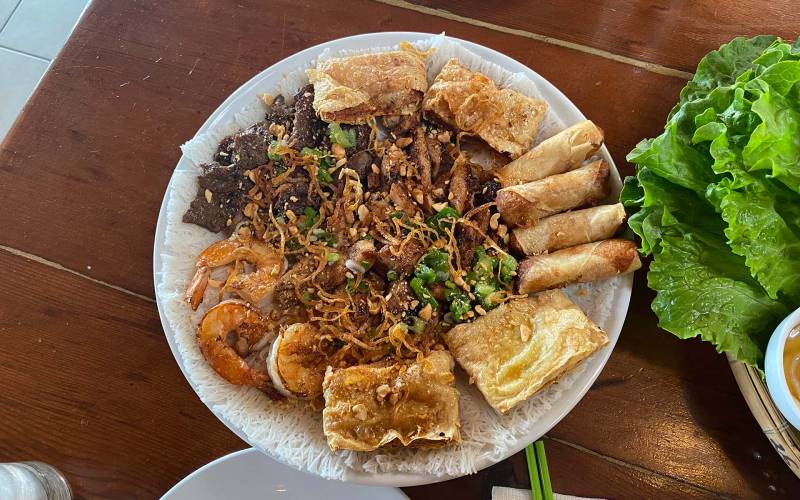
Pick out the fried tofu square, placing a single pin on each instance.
(353, 89)
(507, 120)
(523, 346)
(399, 404)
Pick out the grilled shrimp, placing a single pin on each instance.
(253, 287)
(295, 364)
(233, 337)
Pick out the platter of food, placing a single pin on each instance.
(393, 259)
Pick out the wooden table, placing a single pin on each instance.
(88, 382)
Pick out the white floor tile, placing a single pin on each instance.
(6, 8)
(40, 27)
(19, 76)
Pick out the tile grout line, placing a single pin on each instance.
(55, 265)
(647, 66)
(639, 468)
(28, 54)
(10, 15)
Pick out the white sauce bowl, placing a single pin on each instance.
(776, 377)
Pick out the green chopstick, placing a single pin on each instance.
(541, 488)
(533, 472)
(544, 472)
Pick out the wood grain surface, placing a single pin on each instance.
(92, 386)
(671, 34)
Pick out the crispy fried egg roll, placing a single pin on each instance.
(579, 264)
(525, 204)
(564, 151)
(568, 229)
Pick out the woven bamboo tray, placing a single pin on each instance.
(784, 438)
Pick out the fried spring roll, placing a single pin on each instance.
(580, 264)
(568, 229)
(564, 151)
(525, 204)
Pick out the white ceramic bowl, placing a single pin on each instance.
(773, 366)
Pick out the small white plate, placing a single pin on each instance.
(251, 475)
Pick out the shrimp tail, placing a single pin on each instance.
(197, 287)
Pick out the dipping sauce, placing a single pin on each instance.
(791, 362)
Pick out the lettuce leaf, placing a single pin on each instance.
(775, 143)
(715, 199)
(757, 232)
(701, 292)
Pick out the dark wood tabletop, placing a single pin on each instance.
(88, 382)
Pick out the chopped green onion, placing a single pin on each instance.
(316, 153)
(309, 219)
(425, 273)
(333, 257)
(351, 286)
(460, 306)
(437, 261)
(416, 324)
(323, 175)
(329, 239)
(439, 220)
(324, 163)
(271, 154)
(392, 275)
(345, 138)
(365, 264)
(508, 266)
(423, 294)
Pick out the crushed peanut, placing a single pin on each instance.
(277, 130)
(375, 169)
(360, 411)
(267, 99)
(209, 194)
(425, 312)
(494, 221)
(480, 310)
(363, 213)
(337, 150)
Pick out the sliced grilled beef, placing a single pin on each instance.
(420, 155)
(469, 237)
(224, 154)
(361, 162)
(220, 197)
(403, 264)
(401, 199)
(250, 146)
(400, 299)
(307, 129)
(281, 113)
(463, 185)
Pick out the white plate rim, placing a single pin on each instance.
(204, 469)
(571, 395)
